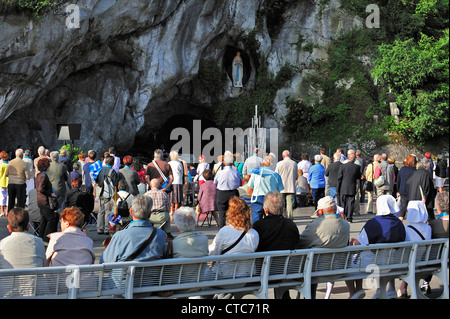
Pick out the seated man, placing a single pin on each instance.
(243, 190)
(189, 243)
(161, 206)
(82, 199)
(275, 231)
(21, 249)
(301, 190)
(329, 230)
(137, 242)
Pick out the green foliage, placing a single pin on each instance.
(211, 76)
(417, 72)
(72, 151)
(239, 110)
(348, 99)
(33, 6)
(410, 57)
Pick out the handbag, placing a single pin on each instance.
(368, 186)
(53, 203)
(379, 181)
(166, 180)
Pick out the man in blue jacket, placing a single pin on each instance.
(125, 243)
(316, 179)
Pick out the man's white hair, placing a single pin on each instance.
(19, 152)
(41, 150)
(185, 218)
(228, 159)
(54, 156)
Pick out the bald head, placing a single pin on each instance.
(154, 183)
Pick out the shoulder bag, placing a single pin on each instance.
(142, 247)
(418, 232)
(368, 185)
(166, 180)
(234, 244)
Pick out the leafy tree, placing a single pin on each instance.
(418, 74)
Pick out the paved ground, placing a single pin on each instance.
(302, 217)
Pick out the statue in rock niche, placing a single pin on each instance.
(238, 70)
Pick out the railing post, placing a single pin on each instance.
(129, 282)
(73, 282)
(305, 289)
(263, 292)
(411, 277)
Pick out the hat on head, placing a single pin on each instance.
(318, 158)
(386, 205)
(201, 157)
(326, 202)
(417, 212)
(428, 155)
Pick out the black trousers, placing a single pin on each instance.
(19, 192)
(222, 198)
(404, 204)
(49, 222)
(348, 203)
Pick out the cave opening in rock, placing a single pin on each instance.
(149, 140)
(230, 53)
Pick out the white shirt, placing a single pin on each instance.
(200, 169)
(304, 166)
(226, 236)
(21, 250)
(177, 171)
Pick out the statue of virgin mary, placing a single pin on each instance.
(238, 70)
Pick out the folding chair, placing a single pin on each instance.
(94, 223)
(208, 217)
(34, 227)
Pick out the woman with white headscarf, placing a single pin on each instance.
(385, 227)
(417, 217)
(417, 229)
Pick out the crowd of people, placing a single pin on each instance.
(252, 202)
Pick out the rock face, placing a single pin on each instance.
(131, 66)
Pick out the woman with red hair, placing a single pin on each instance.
(130, 175)
(237, 236)
(44, 190)
(71, 245)
(409, 167)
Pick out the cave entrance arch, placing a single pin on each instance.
(150, 140)
(230, 53)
